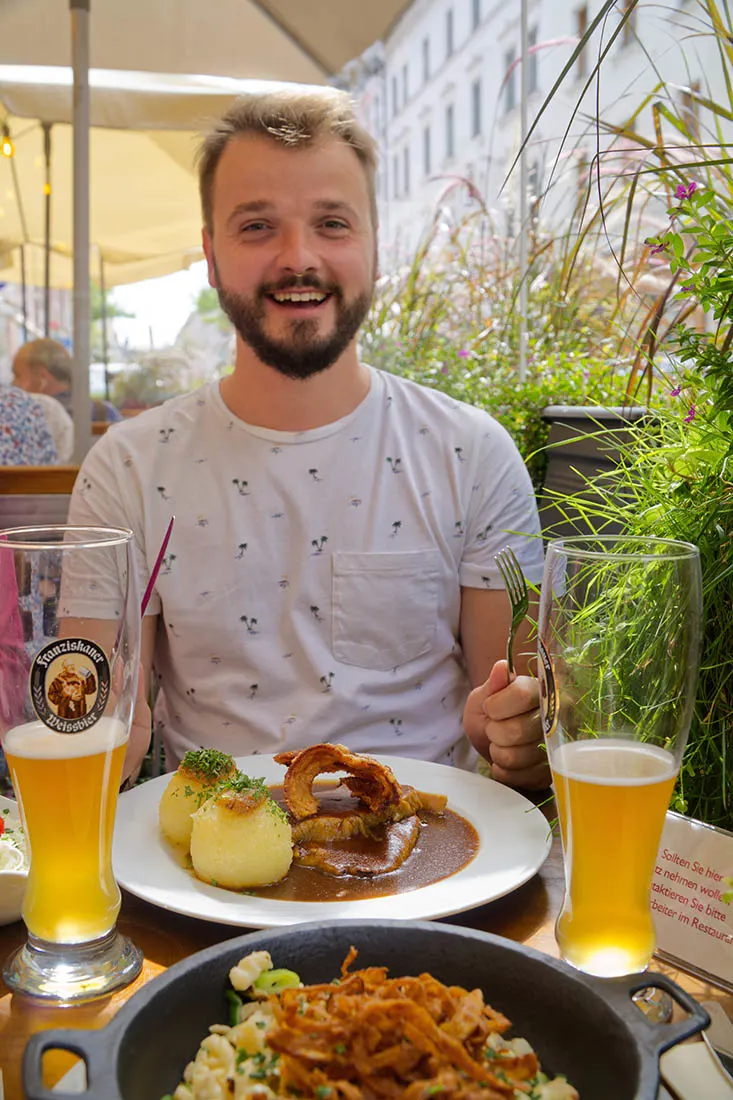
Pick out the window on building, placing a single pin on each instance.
(425, 60)
(395, 96)
(395, 177)
(532, 78)
(510, 87)
(534, 185)
(690, 108)
(581, 27)
(582, 171)
(405, 86)
(426, 156)
(475, 14)
(629, 32)
(406, 171)
(449, 40)
(476, 108)
(450, 135)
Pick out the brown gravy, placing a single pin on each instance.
(446, 843)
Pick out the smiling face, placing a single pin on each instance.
(292, 250)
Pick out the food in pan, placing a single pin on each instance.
(240, 837)
(363, 1036)
(191, 784)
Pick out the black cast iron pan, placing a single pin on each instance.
(584, 1027)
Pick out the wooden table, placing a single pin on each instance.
(527, 916)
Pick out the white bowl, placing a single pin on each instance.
(12, 881)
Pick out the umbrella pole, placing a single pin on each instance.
(82, 404)
(47, 241)
(24, 293)
(103, 311)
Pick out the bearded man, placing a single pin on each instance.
(331, 571)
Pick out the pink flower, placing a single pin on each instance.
(657, 248)
(691, 415)
(444, 368)
(683, 192)
(676, 391)
(464, 353)
(687, 286)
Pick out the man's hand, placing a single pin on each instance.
(140, 731)
(502, 722)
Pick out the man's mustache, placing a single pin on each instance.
(299, 282)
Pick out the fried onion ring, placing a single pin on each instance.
(368, 780)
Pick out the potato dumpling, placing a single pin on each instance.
(195, 780)
(240, 837)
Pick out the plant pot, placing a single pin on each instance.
(583, 442)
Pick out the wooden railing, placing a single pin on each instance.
(50, 480)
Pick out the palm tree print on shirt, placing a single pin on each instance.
(251, 624)
(167, 564)
(242, 486)
(240, 550)
(164, 434)
(162, 490)
(458, 529)
(484, 533)
(396, 528)
(396, 724)
(327, 683)
(315, 475)
(395, 465)
(252, 690)
(316, 613)
(318, 544)
(458, 451)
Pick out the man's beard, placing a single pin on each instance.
(303, 354)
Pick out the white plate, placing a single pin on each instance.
(514, 843)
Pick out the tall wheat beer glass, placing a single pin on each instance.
(619, 638)
(69, 659)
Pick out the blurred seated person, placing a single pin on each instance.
(60, 425)
(25, 437)
(46, 367)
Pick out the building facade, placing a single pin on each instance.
(442, 96)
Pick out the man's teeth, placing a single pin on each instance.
(300, 296)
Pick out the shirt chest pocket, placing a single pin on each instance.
(385, 607)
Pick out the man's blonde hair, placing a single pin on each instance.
(293, 118)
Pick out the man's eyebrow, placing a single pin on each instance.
(255, 206)
(333, 205)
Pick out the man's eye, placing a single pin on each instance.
(334, 223)
(253, 227)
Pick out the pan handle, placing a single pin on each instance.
(657, 1038)
(91, 1046)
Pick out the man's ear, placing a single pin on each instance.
(208, 246)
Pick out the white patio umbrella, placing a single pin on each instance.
(262, 39)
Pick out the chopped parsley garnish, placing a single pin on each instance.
(208, 764)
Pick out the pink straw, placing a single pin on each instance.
(156, 568)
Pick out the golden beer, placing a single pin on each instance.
(612, 796)
(67, 787)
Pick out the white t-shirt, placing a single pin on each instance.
(311, 587)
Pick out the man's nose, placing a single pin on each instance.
(297, 254)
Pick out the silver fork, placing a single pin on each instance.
(516, 587)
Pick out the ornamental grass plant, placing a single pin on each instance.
(675, 474)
